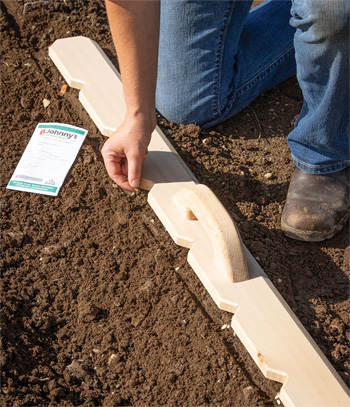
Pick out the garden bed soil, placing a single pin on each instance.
(99, 306)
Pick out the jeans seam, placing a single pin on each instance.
(320, 166)
(220, 58)
(253, 81)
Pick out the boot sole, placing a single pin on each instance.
(311, 235)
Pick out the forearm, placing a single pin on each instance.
(135, 30)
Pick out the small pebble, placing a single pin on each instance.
(249, 393)
(46, 103)
(113, 356)
(268, 175)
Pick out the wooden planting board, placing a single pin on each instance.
(272, 334)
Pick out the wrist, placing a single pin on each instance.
(145, 118)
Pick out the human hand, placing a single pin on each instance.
(125, 152)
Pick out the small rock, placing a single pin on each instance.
(206, 142)
(178, 368)
(261, 200)
(147, 285)
(137, 319)
(88, 312)
(76, 369)
(249, 393)
(113, 356)
(57, 392)
(268, 175)
(54, 250)
(87, 159)
(46, 103)
(17, 236)
(23, 103)
(52, 384)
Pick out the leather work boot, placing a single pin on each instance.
(317, 206)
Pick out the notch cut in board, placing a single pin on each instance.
(267, 327)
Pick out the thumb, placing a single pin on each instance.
(134, 170)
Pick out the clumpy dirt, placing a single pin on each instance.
(99, 306)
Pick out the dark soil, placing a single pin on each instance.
(99, 306)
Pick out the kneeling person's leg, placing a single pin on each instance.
(317, 204)
(215, 57)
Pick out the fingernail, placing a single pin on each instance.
(133, 183)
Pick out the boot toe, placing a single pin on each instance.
(311, 213)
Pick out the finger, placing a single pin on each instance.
(121, 181)
(144, 157)
(114, 167)
(134, 170)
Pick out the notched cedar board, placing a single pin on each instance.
(267, 327)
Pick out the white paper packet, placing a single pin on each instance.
(47, 158)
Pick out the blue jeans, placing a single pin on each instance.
(217, 56)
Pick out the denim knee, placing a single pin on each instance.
(322, 20)
(178, 113)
